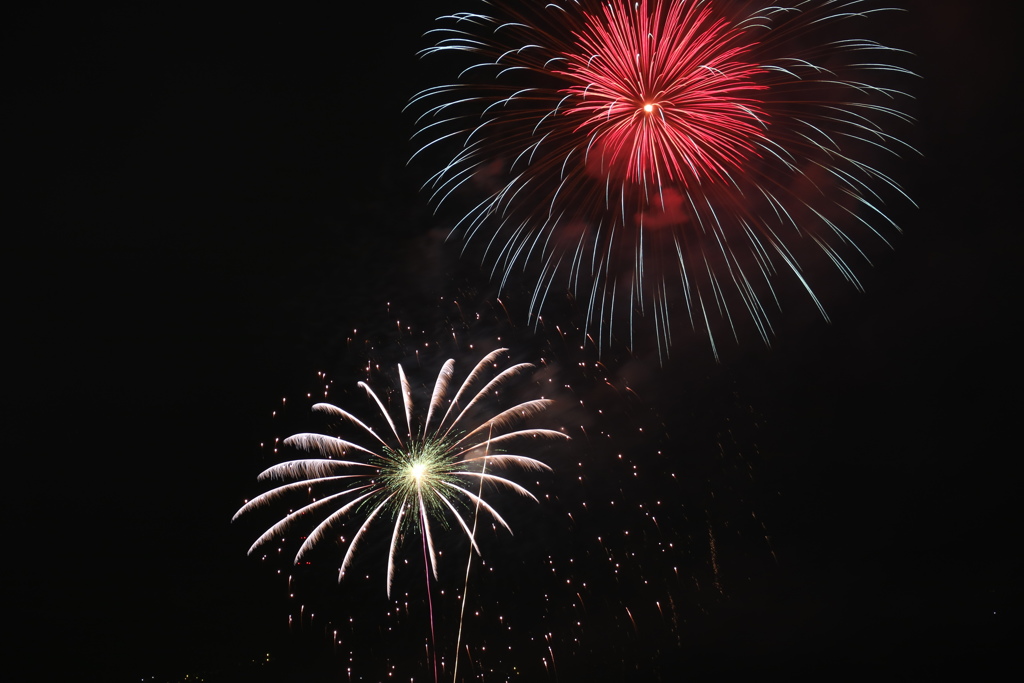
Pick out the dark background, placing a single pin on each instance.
(204, 205)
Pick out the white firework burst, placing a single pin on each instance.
(425, 475)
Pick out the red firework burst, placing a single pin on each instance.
(665, 155)
(664, 93)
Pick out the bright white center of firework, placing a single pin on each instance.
(417, 470)
(648, 108)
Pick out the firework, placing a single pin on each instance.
(427, 474)
(659, 155)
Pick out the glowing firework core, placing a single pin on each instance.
(417, 470)
(423, 469)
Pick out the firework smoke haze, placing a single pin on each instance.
(657, 156)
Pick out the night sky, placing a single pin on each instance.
(209, 208)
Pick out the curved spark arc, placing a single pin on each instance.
(421, 472)
(662, 155)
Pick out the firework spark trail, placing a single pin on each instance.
(662, 154)
(465, 585)
(430, 605)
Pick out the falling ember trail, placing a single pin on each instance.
(469, 560)
(432, 653)
(714, 559)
